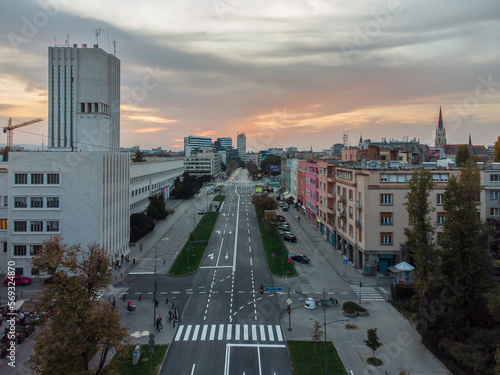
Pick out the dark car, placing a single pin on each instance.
(17, 280)
(280, 218)
(300, 258)
(284, 226)
(285, 208)
(287, 236)
(49, 280)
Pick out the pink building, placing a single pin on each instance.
(311, 192)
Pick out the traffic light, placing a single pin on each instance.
(156, 303)
(288, 309)
(261, 289)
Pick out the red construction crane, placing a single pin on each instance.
(8, 129)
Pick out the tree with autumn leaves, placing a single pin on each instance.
(76, 324)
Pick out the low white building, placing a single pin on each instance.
(152, 178)
(82, 197)
(203, 164)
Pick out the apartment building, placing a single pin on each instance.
(311, 193)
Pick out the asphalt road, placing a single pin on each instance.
(226, 326)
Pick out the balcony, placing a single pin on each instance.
(343, 215)
(359, 204)
(342, 199)
(359, 224)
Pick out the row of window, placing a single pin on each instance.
(494, 177)
(94, 108)
(36, 202)
(21, 250)
(37, 178)
(386, 199)
(36, 226)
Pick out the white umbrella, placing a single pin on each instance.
(402, 267)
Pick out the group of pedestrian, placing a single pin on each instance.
(119, 263)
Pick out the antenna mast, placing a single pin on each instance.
(114, 47)
(97, 33)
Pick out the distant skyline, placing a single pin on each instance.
(287, 73)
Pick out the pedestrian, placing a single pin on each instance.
(171, 314)
(141, 246)
(160, 319)
(123, 256)
(157, 325)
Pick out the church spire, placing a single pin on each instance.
(440, 121)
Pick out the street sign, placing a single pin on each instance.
(273, 289)
(289, 301)
(273, 255)
(345, 261)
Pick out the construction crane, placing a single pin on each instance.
(8, 129)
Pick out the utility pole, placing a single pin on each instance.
(155, 302)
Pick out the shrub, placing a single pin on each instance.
(350, 305)
(403, 291)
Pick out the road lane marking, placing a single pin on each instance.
(236, 331)
(270, 331)
(221, 332)
(195, 332)
(220, 250)
(278, 333)
(262, 333)
(212, 332)
(245, 332)
(228, 333)
(204, 333)
(254, 332)
(251, 262)
(188, 331)
(179, 333)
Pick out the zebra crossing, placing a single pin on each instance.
(229, 332)
(368, 293)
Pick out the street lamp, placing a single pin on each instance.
(325, 324)
(155, 302)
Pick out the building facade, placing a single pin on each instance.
(311, 193)
(241, 144)
(203, 164)
(194, 144)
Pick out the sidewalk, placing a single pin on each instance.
(402, 343)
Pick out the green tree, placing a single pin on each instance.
(5, 154)
(462, 155)
(264, 202)
(76, 323)
(372, 341)
(496, 151)
(420, 239)
(268, 161)
(465, 265)
(140, 225)
(252, 168)
(316, 334)
(156, 209)
(138, 157)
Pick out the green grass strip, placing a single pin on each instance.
(219, 198)
(121, 363)
(202, 232)
(306, 361)
(273, 243)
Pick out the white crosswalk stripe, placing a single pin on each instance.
(368, 293)
(234, 332)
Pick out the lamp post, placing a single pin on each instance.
(154, 291)
(325, 324)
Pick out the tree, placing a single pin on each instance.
(138, 157)
(5, 155)
(316, 334)
(264, 202)
(76, 323)
(372, 341)
(465, 265)
(420, 239)
(156, 209)
(268, 161)
(140, 225)
(496, 151)
(462, 155)
(252, 168)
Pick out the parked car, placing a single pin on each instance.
(281, 204)
(17, 280)
(287, 236)
(284, 226)
(280, 218)
(49, 280)
(201, 212)
(285, 208)
(300, 258)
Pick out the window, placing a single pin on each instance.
(36, 226)
(441, 216)
(5, 247)
(384, 178)
(37, 178)
(21, 179)
(19, 250)
(36, 202)
(350, 212)
(440, 238)
(494, 177)
(435, 178)
(495, 211)
(351, 233)
(34, 249)
(3, 223)
(385, 199)
(444, 178)
(82, 107)
(52, 226)
(20, 202)
(386, 238)
(20, 226)
(350, 195)
(495, 194)
(53, 178)
(386, 218)
(52, 202)
(440, 199)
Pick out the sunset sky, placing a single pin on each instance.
(285, 72)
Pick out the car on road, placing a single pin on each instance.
(280, 218)
(300, 258)
(287, 236)
(285, 208)
(18, 280)
(201, 212)
(281, 204)
(284, 226)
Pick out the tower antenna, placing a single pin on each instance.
(97, 33)
(114, 47)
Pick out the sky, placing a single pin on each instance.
(284, 72)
